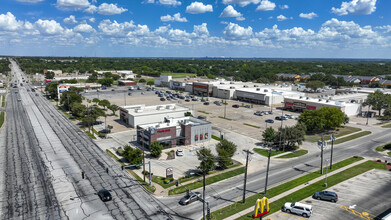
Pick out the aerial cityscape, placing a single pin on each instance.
(172, 109)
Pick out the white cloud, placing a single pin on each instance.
(360, 7)
(48, 27)
(241, 3)
(266, 5)
(235, 32)
(385, 28)
(8, 22)
(170, 2)
(110, 9)
(283, 7)
(91, 9)
(114, 28)
(70, 20)
(92, 20)
(308, 15)
(84, 28)
(72, 4)
(176, 17)
(198, 8)
(30, 1)
(281, 18)
(201, 30)
(240, 18)
(229, 11)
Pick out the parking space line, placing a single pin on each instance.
(290, 215)
(363, 215)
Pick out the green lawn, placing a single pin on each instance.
(204, 112)
(294, 154)
(351, 137)
(216, 138)
(90, 135)
(254, 126)
(389, 153)
(318, 186)
(1, 118)
(380, 149)
(179, 75)
(3, 102)
(386, 126)
(250, 201)
(265, 153)
(146, 185)
(209, 180)
(342, 131)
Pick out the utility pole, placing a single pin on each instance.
(325, 180)
(321, 156)
(225, 108)
(368, 114)
(332, 146)
(143, 156)
(282, 114)
(245, 176)
(125, 98)
(203, 187)
(267, 170)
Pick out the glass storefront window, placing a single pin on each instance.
(196, 137)
(201, 137)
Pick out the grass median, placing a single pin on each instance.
(265, 153)
(351, 137)
(2, 119)
(345, 130)
(250, 201)
(386, 126)
(250, 125)
(318, 186)
(216, 138)
(225, 118)
(146, 185)
(209, 180)
(294, 154)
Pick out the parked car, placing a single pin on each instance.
(162, 99)
(235, 106)
(247, 106)
(112, 89)
(326, 195)
(206, 103)
(181, 97)
(298, 208)
(157, 92)
(187, 100)
(168, 99)
(191, 197)
(280, 118)
(201, 117)
(129, 93)
(104, 195)
(289, 116)
(270, 112)
(259, 113)
(194, 99)
(179, 152)
(105, 131)
(269, 121)
(218, 103)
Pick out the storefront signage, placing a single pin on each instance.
(288, 103)
(62, 88)
(199, 86)
(310, 107)
(124, 111)
(169, 172)
(299, 104)
(261, 207)
(164, 130)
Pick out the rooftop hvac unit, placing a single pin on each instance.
(258, 89)
(327, 100)
(232, 87)
(308, 98)
(265, 90)
(319, 100)
(231, 83)
(245, 86)
(300, 97)
(139, 110)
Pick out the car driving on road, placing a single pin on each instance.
(191, 197)
(104, 195)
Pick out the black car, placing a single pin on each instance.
(162, 99)
(104, 195)
(189, 198)
(269, 121)
(206, 103)
(326, 195)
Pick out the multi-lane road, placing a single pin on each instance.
(44, 156)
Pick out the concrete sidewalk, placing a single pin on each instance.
(275, 198)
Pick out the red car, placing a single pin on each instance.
(235, 106)
(187, 100)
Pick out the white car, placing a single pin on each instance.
(298, 208)
(179, 152)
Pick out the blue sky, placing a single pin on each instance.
(197, 28)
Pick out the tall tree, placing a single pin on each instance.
(322, 119)
(315, 84)
(269, 135)
(207, 160)
(377, 100)
(225, 151)
(156, 149)
(113, 108)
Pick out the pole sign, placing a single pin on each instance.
(260, 208)
(169, 172)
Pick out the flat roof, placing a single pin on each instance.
(323, 101)
(140, 110)
(175, 122)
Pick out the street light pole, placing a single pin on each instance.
(267, 170)
(368, 115)
(331, 153)
(143, 155)
(325, 180)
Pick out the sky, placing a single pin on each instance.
(197, 28)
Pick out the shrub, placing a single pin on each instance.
(168, 180)
(387, 146)
(120, 151)
(156, 149)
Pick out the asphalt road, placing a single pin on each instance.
(228, 191)
(44, 155)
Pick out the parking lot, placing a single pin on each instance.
(362, 197)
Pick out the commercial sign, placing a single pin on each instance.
(169, 172)
(124, 111)
(199, 86)
(310, 107)
(288, 103)
(62, 88)
(163, 130)
(299, 104)
(259, 209)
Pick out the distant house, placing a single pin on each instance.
(349, 78)
(385, 83)
(305, 78)
(367, 79)
(288, 77)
